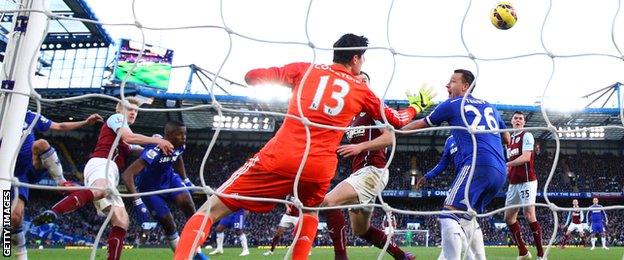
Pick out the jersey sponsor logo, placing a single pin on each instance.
(513, 152)
(355, 132)
(168, 159)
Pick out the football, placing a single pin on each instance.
(503, 16)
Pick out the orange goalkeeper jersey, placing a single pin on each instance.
(331, 95)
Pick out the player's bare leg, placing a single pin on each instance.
(360, 223)
(511, 216)
(278, 234)
(342, 194)
(566, 236)
(18, 234)
(185, 203)
(218, 210)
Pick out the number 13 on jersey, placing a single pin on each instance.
(338, 96)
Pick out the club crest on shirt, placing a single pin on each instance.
(151, 154)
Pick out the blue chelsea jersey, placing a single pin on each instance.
(480, 115)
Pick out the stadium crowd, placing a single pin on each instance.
(578, 172)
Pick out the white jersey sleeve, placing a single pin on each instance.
(528, 142)
(116, 121)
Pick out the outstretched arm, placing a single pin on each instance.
(69, 126)
(382, 141)
(132, 138)
(439, 168)
(288, 75)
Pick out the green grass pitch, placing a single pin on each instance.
(571, 253)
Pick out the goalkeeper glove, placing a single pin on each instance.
(421, 100)
(141, 213)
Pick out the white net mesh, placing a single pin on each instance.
(467, 55)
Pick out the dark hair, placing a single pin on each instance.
(349, 40)
(518, 113)
(365, 74)
(172, 126)
(467, 76)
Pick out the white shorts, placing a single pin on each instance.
(96, 169)
(368, 182)
(521, 193)
(576, 227)
(288, 221)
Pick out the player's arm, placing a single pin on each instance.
(181, 170)
(120, 126)
(439, 168)
(133, 138)
(582, 217)
(569, 218)
(69, 126)
(505, 136)
(604, 214)
(287, 75)
(442, 113)
(398, 119)
(382, 141)
(132, 171)
(527, 150)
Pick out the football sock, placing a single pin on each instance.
(220, 238)
(243, 240)
(474, 236)
(73, 201)
(116, 242)
(336, 227)
(50, 161)
(452, 234)
(536, 229)
(377, 237)
(516, 233)
(189, 232)
(306, 237)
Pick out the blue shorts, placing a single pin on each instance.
(486, 182)
(25, 172)
(597, 228)
(157, 204)
(235, 220)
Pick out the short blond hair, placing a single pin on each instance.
(130, 100)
